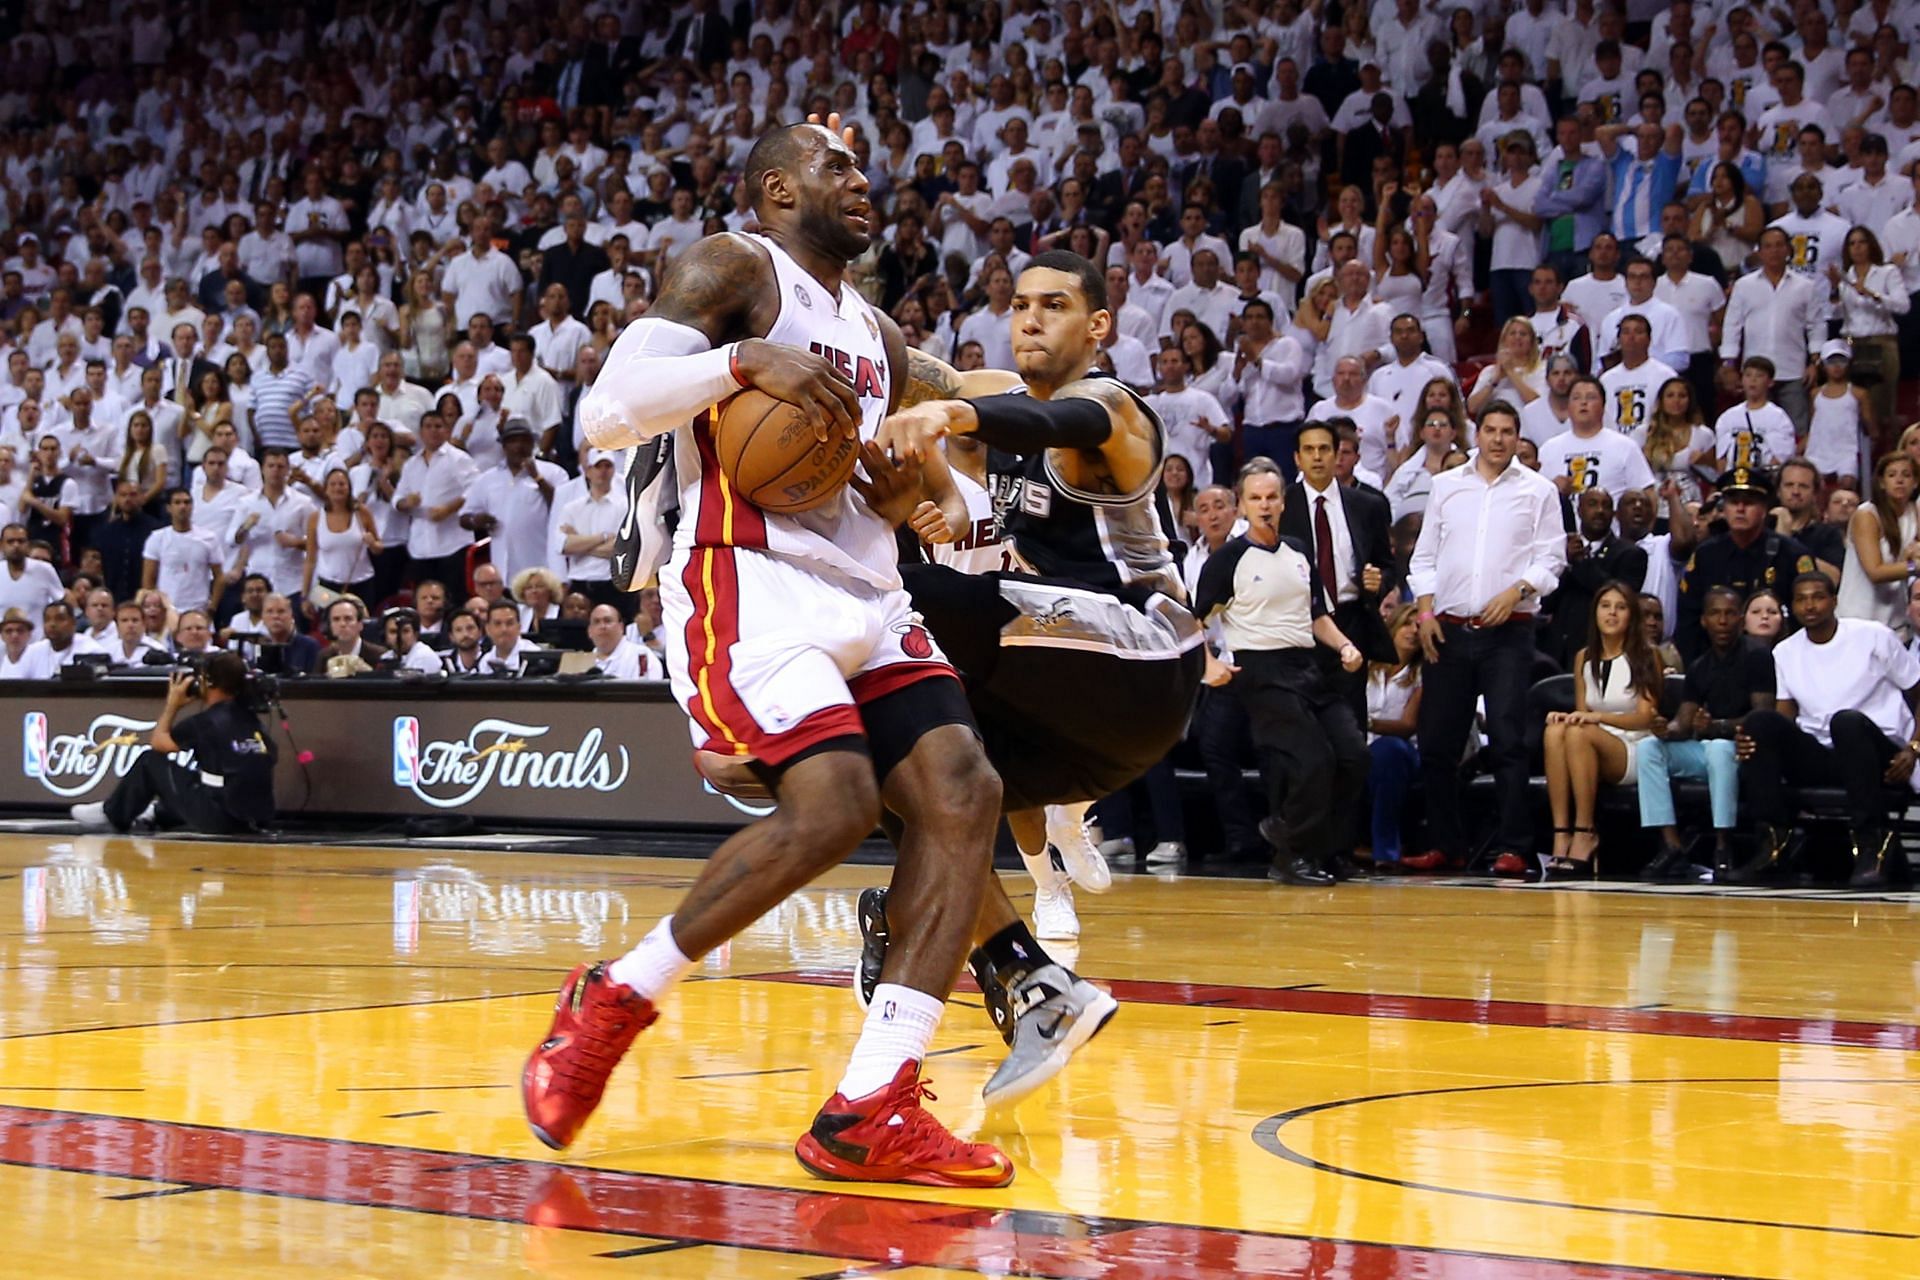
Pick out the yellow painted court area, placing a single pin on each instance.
(232, 1060)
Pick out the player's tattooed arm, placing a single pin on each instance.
(714, 286)
(930, 378)
(1131, 454)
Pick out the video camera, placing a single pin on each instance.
(258, 694)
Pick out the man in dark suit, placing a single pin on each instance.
(1112, 189)
(703, 37)
(1211, 162)
(1376, 137)
(608, 61)
(1595, 557)
(345, 620)
(1346, 526)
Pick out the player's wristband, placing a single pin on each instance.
(733, 363)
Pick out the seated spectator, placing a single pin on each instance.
(284, 651)
(538, 592)
(99, 617)
(60, 642)
(1393, 711)
(430, 603)
(1764, 621)
(16, 634)
(1845, 692)
(464, 656)
(505, 645)
(1653, 616)
(193, 634)
(129, 645)
(405, 650)
(1734, 676)
(346, 618)
(1616, 695)
(251, 620)
(616, 656)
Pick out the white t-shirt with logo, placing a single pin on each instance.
(1633, 394)
(1606, 460)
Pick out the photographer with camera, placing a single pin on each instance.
(229, 789)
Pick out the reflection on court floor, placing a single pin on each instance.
(233, 1060)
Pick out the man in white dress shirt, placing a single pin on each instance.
(1359, 327)
(1401, 380)
(1779, 314)
(512, 502)
(433, 488)
(614, 654)
(1491, 547)
(505, 645)
(531, 392)
(587, 525)
(60, 643)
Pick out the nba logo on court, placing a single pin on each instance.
(33, 750)
(406, 750)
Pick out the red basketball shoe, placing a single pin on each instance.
(594, 1021)
(888, 1136)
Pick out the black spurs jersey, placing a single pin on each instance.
(1105, 540)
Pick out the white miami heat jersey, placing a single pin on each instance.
(842, 538)
(979, 548)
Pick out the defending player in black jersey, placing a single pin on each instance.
(1082, 664)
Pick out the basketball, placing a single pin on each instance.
(769, 454)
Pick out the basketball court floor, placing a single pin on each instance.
(278, 1060)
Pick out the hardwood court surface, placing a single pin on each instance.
(231, 1060)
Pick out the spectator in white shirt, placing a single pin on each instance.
(310, 347)
(1490, 547)
(512, 503)
(531, 392)
(1380, 427)
(181, 561)
(433, 488)
(1204, 296)
(60, 642)
(505, 646)
(589, 525)
(271, 526)
(482, 280)
(488, 356)
(615, 655)
(1359, 325)
(26, 584)
(1779, 314)
(1194, 420)
(558, 337)
(405, 650)
(1590, 455)
(356, 364)
(992, 325)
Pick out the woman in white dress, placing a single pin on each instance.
(1616, 694)
(1841, 412)
(1882, 551)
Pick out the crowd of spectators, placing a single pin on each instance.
(296, 305)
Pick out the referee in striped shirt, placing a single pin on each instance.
(1272, 612)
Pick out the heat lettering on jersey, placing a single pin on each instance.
(868, 382)
(981, 533)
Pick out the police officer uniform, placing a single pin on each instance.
(1771, 560)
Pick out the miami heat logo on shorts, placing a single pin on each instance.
(914, 640)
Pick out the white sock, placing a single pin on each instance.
(900, 1025)
(1046, 878)
(655, 966)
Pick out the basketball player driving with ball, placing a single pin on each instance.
(1081, 662)
(795, 647)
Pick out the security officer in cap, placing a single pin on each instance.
(1749, 556)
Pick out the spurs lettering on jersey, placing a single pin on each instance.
(842, 538)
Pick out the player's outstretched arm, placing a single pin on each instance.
(696, 347)
(930, 378)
